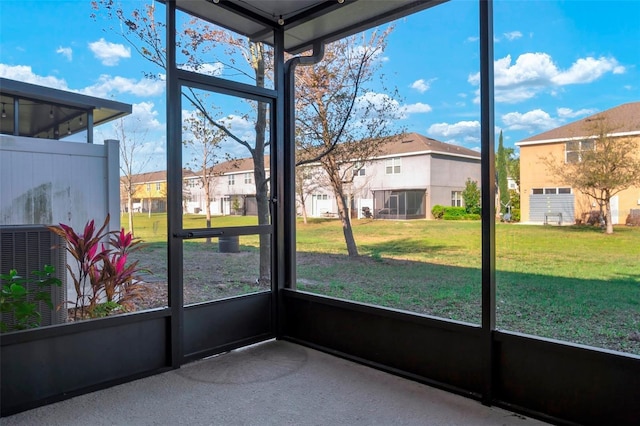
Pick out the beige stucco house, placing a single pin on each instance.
(544, 197)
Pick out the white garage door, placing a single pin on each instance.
(542, 204)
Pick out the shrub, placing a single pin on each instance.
(455, 211)
(438, 211)
(471, 196)
(20, 300)
(476, 210)
(472, 216)
(102, 279)
(515, 215)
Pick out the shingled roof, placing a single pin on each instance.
(406, 144)
(414, 143)
(623, 119)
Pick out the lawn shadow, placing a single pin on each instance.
(405, 246)
(595, 312)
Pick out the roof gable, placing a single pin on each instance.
(623, 119)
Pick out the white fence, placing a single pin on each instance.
(49, 182)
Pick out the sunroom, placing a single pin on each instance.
(546, 378)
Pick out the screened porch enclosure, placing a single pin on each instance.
(399, 204)
(545, 378)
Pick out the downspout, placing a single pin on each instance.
(288, 195)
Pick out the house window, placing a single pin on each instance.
(392, 166)
(148, 187)
(456, 198)
(573, 150)
(232, 180)
(157, 186)
(358, 169)
(551, 191)
(248, 178)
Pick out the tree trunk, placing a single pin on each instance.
(130, 208)
(207, 209)
(343, 214)
(303, 206)
(608, 216)
(262, 197)
(343, 211)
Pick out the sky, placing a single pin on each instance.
(555, 62)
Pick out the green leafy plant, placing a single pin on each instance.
(19, 298)
(235, 205)
(375, 255)
(454, 213)
(103, 281)
(437, 211)
(471, 197)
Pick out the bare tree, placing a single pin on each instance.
(341, 123)
(140, 28)
(206, 141)
(309, 179)
(603, 165)
(132, 141)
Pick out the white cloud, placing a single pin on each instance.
(473, 39)
(109, 53)
(108, 84)
(569, 113)
(66, 52)
(145, 114)
(373, 103)
(142, 129)
(416, 108)
(379, 105)
(104, 88)
(586, 70)
(373, 52)
(215, 69)
(422, 85)
(533, 73)
(513, 35)
(532, 121)
(25, 74)
(467, 131)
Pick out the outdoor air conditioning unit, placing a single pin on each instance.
(28, 248)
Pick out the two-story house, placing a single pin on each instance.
(410, 175)
(543, 193)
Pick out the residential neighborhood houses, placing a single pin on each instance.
(410, 175)
(544, 197)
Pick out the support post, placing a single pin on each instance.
(289, 165)
(488, 197)
(174, 191)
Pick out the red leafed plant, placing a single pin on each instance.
(102, 279)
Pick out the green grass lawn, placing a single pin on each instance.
(572, 283)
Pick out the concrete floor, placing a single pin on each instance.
(273, 383)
